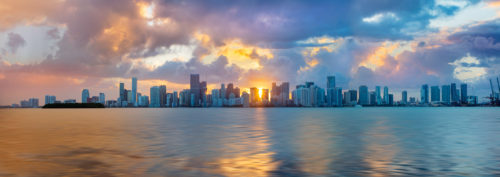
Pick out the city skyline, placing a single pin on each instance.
(308, 94)
(47, 49)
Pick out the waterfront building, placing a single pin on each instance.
(50, 99)
(85, 95)
(102, 98)
(154, 93)
(445, 94)
(134, 91)
(363, 95)
(386, 95)
(435, 94)
(424, 94)
(463, 94)
(377, 92)
(373, 98)
(404, 97)
(163, 95)
(454, 93)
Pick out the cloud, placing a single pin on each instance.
(15, 41)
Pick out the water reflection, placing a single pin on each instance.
(247, 152)
(313, 143)
(250, 142)
(380, 149)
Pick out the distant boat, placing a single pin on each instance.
(358, 106)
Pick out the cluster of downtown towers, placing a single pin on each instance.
(304, 95)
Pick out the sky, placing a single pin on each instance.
(60, 47)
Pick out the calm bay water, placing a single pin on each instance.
(250, 142)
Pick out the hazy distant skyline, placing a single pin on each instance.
(60, 47)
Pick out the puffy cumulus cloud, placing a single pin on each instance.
(467, 69)
(15, 41)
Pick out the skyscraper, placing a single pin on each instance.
(454, 94)
(330, 82)
(435, 94)
(404, 97)
(102, 98)
(195, 88)
(373, 98)
(463, 93)
(445, 90)
(85, 95)
(163, 95)
(386, 95)
(377, 92)
(154, 95)
(363, 95)
(424, 94)
(134, 91)
(122, 92)
(254, 95)
(285, 93)
(229, 90)
(265, 96)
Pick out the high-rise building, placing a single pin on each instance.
(175, 99)
(386, 95)
(330, 92)
(377, 92)
(163, 95)
(445, 90)
(373, 98)
(154, 93)
(195, 88)
(285, 93)
(424, 94)
(246, 99)
(330, 82)
(463, 93)
(129, 97)
(102, 98)
(351, 97)
(337, 97)
(237, 92)
(50, 99)
(265, 96)
(454, 93)
(435, 94)
(122, 92)
(134, 91)
(85, 95)
(229, 90)
(404, 97)
(364, 98)
(391, 99)
(254, 95)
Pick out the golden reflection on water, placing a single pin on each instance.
(313, 146)
(33, 144)
(251, 155)
(380, 149)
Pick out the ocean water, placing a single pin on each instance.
(250, 142)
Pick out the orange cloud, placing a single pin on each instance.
(26, 12)
(243, 55)
(378, 57)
